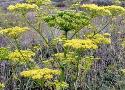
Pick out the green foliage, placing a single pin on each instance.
(68, 20)
(60, 63)
(87, 62)
(4, 52)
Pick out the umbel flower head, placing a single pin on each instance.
(60, 85)
(80, 44)
(22, 56)
(100, 38)
(69, 58)
(68, 20)
(115, 10)
(36, 74)
(23, 7)
(39, 2)
(14, 32)
(123, 71)
(95, 10)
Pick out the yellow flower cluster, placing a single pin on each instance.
(23, 7)
(95, 10)
(123, 71)
(37, 74)
(61, 85)
(106, 35)
(100, 38)
(123, 44)
(1, 86)
(21, 56)
(70, 57)
(38, 2)
(80, 44)
(115, 10)
(14, 32)
(87, 62)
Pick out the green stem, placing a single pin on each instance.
(18, 48)
(74, 34)
(101, 29)
(37, 30)
(62, 73)
(77, 72)
(66, 34)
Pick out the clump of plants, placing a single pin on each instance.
(68, 58)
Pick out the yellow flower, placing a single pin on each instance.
(123, 71)
(80, 44)
(11, 8)
(115, 10)
(60, 85)
(95, 10)
(21, 56)
(23, 7)
(14, 32)
(44, 73)
(123, 44)
(100, 38)
(1, 86)
(48, 76)
(70, 57)
(106, 35)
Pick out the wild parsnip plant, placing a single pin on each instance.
(64, 61)
(13, 32)
(22, 8)
(95, 10)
